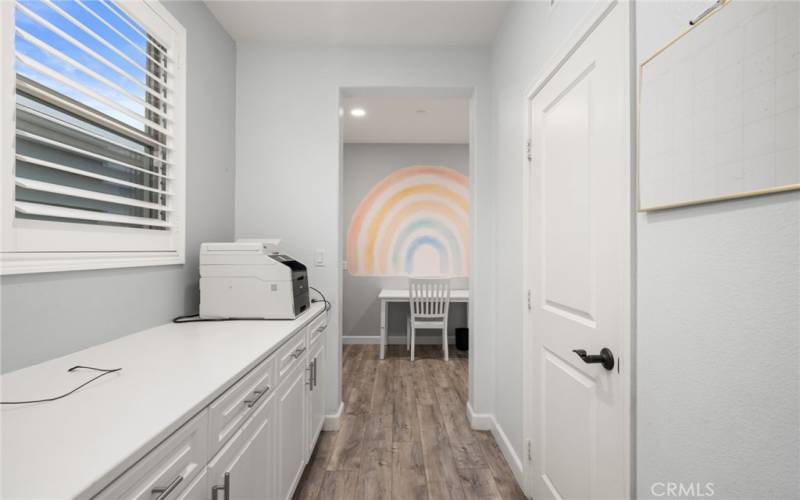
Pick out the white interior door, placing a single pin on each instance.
(579, 265)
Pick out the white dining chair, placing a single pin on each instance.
(429, 302)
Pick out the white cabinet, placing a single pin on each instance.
(252, 442)
(244, 469)
(292, 423)
(315, 393)
(167, 470)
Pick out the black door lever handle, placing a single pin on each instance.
(606, 357)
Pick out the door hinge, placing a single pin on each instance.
(530, 151)
(530, 451)
(529, 299)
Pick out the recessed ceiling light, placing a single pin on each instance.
(358, 112)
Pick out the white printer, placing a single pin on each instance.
(251, 279)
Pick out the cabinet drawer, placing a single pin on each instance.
(197, 489)
(317, 327)
(168, 469)
(315, 341)
(290, 354)
(229, 411)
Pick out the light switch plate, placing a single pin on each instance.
(319, 258)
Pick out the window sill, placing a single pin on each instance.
(30, 263)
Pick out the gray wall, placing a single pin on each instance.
(364, 165)
(718, 295)
(49, 315)
(719, 323)
(288, 175)
(528, 39)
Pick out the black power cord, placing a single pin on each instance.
(195, 318)
(327, 304)
(105, 371)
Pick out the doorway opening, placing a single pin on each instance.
(406, 211)
(406, 208)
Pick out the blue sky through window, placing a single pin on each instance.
(126, 61)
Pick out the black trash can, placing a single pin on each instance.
(462, 339)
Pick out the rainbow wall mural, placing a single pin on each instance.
(413, 222)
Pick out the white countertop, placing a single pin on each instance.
(70, 447)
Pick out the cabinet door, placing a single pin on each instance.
(248, 460)
(316, 395)
(291, 436)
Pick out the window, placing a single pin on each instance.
(93, 104)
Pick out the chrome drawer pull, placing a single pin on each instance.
(314, 373)
(259, 394)
(164, 492)
(300, 350)
(226, 488)
(321, 328)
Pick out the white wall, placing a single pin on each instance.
(287, 164)
(718, 296)
(364, 165)
(528, 39)
(719, 306)
(52, 314)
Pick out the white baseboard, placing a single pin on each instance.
(508, 452)
(479, 421)
(394, 340)
(331, 422)
(360, 339)
(487, 422)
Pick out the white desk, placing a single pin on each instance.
(387, 296)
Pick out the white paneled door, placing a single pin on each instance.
(579, 269)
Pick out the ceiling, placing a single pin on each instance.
(407, 120)
(361, 23)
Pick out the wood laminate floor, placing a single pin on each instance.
(404, 434)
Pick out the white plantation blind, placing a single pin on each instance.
(97, 127)
(79, 52)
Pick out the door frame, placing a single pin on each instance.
(573, 41)
(478, 357)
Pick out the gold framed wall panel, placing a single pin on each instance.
(718, 111)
